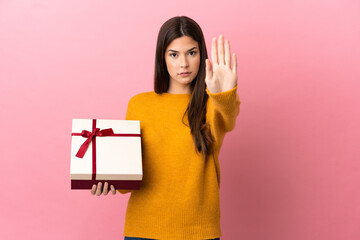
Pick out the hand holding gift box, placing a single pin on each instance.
(106, 151)
(99, 189)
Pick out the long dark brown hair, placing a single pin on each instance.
(174, 28)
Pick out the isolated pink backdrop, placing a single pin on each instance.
(290, 169)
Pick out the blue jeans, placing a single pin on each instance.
(136, 238)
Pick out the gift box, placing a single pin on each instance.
(106, 151)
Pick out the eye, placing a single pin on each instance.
(172, 54)
(192, 53)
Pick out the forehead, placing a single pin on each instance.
(183, 43)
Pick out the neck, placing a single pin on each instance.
(178, 89)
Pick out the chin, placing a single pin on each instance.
(186, 81)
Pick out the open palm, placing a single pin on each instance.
(220, 76)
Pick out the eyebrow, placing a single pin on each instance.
(178, 51)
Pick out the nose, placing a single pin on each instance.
(184, 62)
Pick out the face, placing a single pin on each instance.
(182, 57)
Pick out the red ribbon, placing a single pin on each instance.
(96, 132)
(90, 136)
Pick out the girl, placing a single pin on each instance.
(183, 124)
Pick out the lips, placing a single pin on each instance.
(185, 73)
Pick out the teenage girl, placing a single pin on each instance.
(183, 124)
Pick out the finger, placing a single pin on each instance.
(221, 49)
(106, 188)
(214, 51)
(98, 190)
(93, 189)
(209, 71)
(227, 54)
(234, 63)
(113, 190)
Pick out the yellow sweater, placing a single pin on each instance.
(179, 195)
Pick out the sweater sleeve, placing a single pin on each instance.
(223, 109)
(129, 116)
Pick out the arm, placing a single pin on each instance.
(221, 87)
(129, 116)
(222, 110)
(99, 189)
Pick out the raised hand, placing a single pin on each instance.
(220, 75)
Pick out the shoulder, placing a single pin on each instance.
(138, 105)
(143, 100)
(142, 97)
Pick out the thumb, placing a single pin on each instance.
(209, 72)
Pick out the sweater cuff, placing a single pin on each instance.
(225, 99)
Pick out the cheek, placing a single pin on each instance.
(168, 65)
(171, 67)
(197, 63)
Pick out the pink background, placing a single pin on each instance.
(290, 169)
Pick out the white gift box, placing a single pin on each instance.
(115, 158)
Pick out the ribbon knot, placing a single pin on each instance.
(90, 136)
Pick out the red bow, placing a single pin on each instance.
(90, 136)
